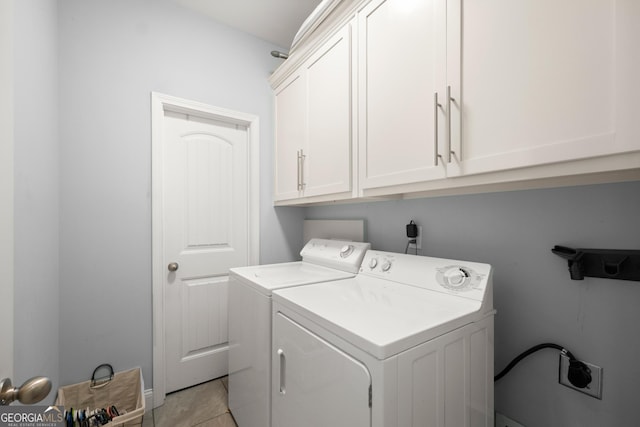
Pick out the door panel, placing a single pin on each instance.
(448, 381)
(291, 124)
(209, 205)
(6, 189)
(398, 76)
(205, 208)
(327, 165)
(315, 384)
(535, 87)
(204, 326)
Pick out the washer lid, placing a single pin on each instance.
(266, 278)
(381, 317)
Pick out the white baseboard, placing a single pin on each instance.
(148, 400)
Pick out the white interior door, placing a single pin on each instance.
(6, 190)
(206, 232)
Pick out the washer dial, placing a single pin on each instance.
(457, 278)
(346, 251)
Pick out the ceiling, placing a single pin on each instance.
(276, 21)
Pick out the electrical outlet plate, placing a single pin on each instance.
(594, 389)
(418, 240)
(504, 421)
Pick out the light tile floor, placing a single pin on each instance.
(204, 405)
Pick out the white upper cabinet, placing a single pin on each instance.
(400, 63)
(627, 70)
(291, 125)
(447, 96)
(313, 125)
(532, 83)
(327, 161)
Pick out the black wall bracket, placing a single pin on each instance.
(605, 263)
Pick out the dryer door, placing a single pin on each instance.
(314, 383)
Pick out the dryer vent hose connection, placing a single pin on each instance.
(579, 373)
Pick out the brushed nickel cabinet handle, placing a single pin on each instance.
(436, 105)
(299, 154)
(449, 99)
(302, 158)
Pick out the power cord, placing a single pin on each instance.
(406, 250)
(412, 233)
(579, 374)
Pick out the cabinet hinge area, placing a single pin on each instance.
(370, 395)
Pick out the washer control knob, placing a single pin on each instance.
(456, 277)
(386, 266)
(459, 278)
(373, 263)
(346, 251)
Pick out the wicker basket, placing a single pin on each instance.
(124, 390)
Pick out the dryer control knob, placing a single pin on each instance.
(456, 277)
(373, 263)
(386, 266)
(346, 251)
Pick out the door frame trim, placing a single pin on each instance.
(159, 104)
(7, 189)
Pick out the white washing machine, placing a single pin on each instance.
(250, 313)
(407, 342)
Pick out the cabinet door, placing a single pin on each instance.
(327, 161)
(400, 58)
(291, 122)
(532, 82)
(315, 384)
(627, 72)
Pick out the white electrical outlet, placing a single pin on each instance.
(418, 240)
(594, 389)
(504, 421)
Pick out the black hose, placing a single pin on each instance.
(532, 350)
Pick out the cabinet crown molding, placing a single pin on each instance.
(334, 18)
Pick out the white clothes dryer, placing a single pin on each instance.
(250, 290)
(407, 342)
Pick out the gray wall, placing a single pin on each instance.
(596, 319)
(112, 55)
(36, 296)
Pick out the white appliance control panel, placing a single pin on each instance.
(338, 254)
(458, 278)
(466, 279)
(346, 250)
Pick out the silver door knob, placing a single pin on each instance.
(173, 266)
(32, 391)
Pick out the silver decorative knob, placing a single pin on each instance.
(173, 266)
(32, 391)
